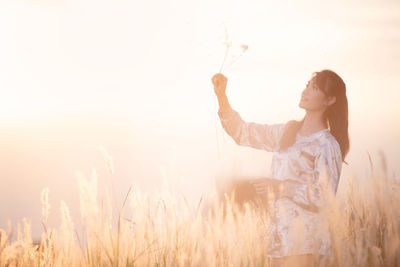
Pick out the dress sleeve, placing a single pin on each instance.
(255, 135)
(326, 175)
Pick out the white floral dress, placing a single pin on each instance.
(295, 227)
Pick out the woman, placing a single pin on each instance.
(307, 159)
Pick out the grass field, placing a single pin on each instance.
(363, 219)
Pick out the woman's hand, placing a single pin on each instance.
(219, 81)
(263, 185)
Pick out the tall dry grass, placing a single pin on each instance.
(228, 229)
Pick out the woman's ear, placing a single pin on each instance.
(331, 100)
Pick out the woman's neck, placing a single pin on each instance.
(313, 122)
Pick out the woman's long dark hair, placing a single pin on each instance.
(336, 114)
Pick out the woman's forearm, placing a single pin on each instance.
(223, 102)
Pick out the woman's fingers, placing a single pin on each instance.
(262, 187)
(262, 191)
(215, 77)
(260, 182)
(219, 77)
(265, 191)
(265, 185)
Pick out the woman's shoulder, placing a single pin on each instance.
(329, 139)
(329, 143)
(290, 123)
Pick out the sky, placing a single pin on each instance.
(134, 76)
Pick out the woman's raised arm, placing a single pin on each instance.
(255, 135)
(251, 134)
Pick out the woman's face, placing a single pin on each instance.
(312, 98)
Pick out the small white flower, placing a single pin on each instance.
(244, 47)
